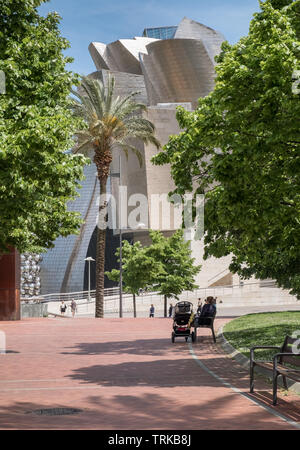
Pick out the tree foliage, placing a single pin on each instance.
(165, 266)
(138, 268)
(37, 176)
(241, 148)
(177, 270)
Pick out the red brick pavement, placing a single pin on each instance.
(126, 374)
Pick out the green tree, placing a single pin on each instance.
(110, 123)
(37, 176)
(241, 148)
(164, 266)
(139, 270)
(176, 269)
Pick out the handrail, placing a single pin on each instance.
(114, 292)
(225, 270)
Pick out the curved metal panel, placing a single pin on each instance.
(177, 70)
(152, 94)
(212, 39)
(97, 52)
(121, 55)
(121, 59)
(70, 251)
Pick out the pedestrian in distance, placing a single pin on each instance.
(199, 307)
(73, 307)
(170, 310)
(151, 312)
(63, 308)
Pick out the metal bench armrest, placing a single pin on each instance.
(252, 349)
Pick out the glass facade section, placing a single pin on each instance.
(160, 33)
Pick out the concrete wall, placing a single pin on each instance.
(33, 310)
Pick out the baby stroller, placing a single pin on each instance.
(183, 321)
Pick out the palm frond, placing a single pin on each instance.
(95, 92)
(125, 150)
(124, 106)
(111, 120)
(83, 146)
(109, 94)
(127, 146)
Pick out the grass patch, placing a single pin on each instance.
(261, 329)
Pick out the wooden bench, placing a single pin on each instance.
(210, 324)
(280, 365)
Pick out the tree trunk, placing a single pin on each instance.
(134, 306)
(165, 306)
(100, 257)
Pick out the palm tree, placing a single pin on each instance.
(111, 122)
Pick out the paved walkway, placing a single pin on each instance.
(126, 374)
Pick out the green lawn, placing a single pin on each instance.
(261, 329)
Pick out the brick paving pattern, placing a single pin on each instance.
(126, 374)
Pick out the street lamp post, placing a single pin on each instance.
(119, 175)
(120, 227)
(121, 276)
(89, 259)
(140, 226)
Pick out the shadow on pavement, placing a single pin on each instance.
(154, 347)
(141, 412)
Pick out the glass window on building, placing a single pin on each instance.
(160, 32)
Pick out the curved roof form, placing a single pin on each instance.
(177, 70)
(180, 69)
(121, 55)
(97, 51)
(212, 40)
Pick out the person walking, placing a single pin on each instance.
(170, 310)
(199, 307)
(73, 307)
(152, 309)
(63, 308)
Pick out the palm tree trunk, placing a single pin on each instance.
(100, 255)
(165, 305)
(134, 306)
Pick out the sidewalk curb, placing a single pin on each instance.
(243, 361)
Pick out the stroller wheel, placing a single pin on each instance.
(173, 338)
(186, 339)
(193, 336)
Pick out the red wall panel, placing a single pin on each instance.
(10, 286)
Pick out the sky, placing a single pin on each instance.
(85, 21)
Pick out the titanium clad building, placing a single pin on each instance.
(169, 66)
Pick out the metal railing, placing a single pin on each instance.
(226, 293)
(81, 295)
(113, 293)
